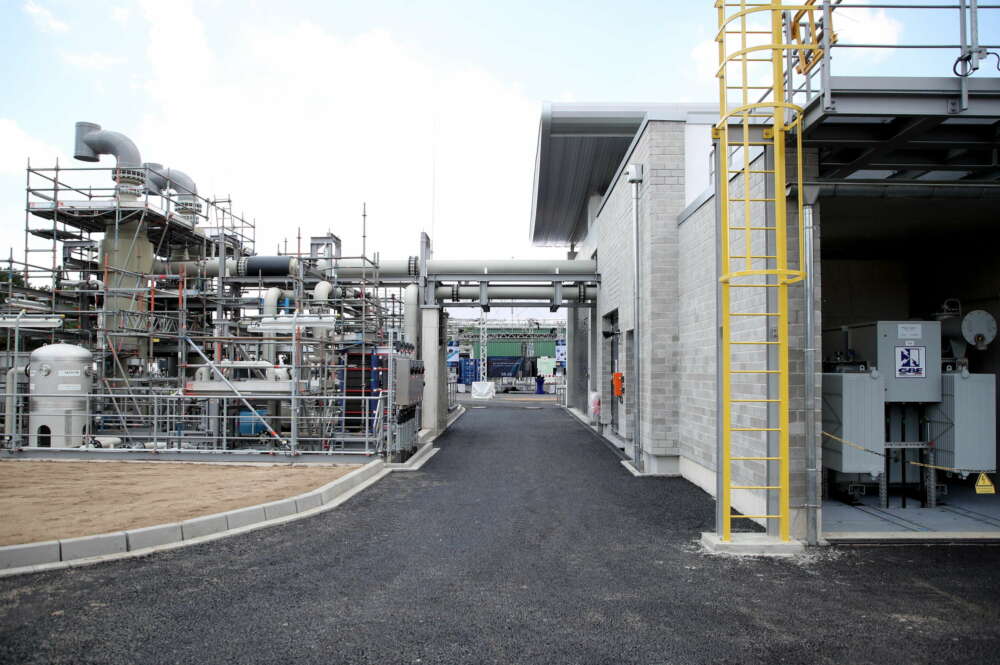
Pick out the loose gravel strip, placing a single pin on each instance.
(523, 540)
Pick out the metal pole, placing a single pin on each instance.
(812, 470)
(824, 72)
(17, 348)
(635, 177)
(966, 66)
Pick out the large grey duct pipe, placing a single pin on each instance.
(92, 141)
(159, 180)
(570, 293)
(162, 179)
(394, 268)
(411, 314)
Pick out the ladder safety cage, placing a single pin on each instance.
(756, 42)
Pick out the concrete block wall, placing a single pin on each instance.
(660, 150)
(698, 350)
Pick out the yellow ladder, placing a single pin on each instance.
(755, 122)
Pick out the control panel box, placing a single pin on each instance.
(409, 381)
(907, 355)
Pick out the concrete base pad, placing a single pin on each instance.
(751, 544)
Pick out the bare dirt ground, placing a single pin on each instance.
(51, 500)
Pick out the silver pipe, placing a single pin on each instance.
(395, 268)
(11, 403)
(411, 315)
(812, 468)
(635, 178)
(447, 293)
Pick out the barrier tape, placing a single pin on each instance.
(873, 452)
(852, 445)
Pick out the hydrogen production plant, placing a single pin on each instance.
(141, 319)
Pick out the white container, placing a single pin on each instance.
(60, 378)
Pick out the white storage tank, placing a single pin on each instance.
(60, 378)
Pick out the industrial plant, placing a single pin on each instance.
(736, 306)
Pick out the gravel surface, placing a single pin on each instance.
(522, 541)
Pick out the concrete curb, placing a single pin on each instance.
(90, 550)
(87, 550)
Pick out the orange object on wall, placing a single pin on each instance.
(618, 384)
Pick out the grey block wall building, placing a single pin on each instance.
(867, 204)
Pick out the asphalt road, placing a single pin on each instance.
(522, 541)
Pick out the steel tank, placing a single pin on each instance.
(60, 378)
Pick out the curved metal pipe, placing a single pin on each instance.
(161, 179)
(92, 141)
(321, 295)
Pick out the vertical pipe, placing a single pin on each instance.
(966, 65)
(824, 72)
(809, 375)
(636, 179)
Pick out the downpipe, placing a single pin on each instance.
(812, 470)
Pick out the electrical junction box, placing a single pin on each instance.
(618, 384)
(401, 380)
(963, 426)
(907, 355)
(854, 410)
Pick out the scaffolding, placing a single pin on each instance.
(199, 344)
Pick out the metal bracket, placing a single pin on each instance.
(557, 296)
(484, 296)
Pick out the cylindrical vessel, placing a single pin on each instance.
(268, 266)
(60, 378)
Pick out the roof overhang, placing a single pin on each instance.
(580, 150)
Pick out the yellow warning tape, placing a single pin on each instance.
(852, 445)
(946, 468)
(873, 452)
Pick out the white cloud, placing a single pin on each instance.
(302, 125)
(121, 15)
(18, 147)
(44, 18)
(867, 25)
(94, 61)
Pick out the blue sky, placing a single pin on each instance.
(427, 111)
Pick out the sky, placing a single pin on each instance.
(426, 112)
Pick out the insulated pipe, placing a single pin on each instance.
(206, 267)
(321, 295)
(270, 308)
(271, 298)
(411, 314)
(570, 293)
(410, 267)
(92, 141)
(10, 406)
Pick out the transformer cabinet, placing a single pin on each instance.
(901, 393)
